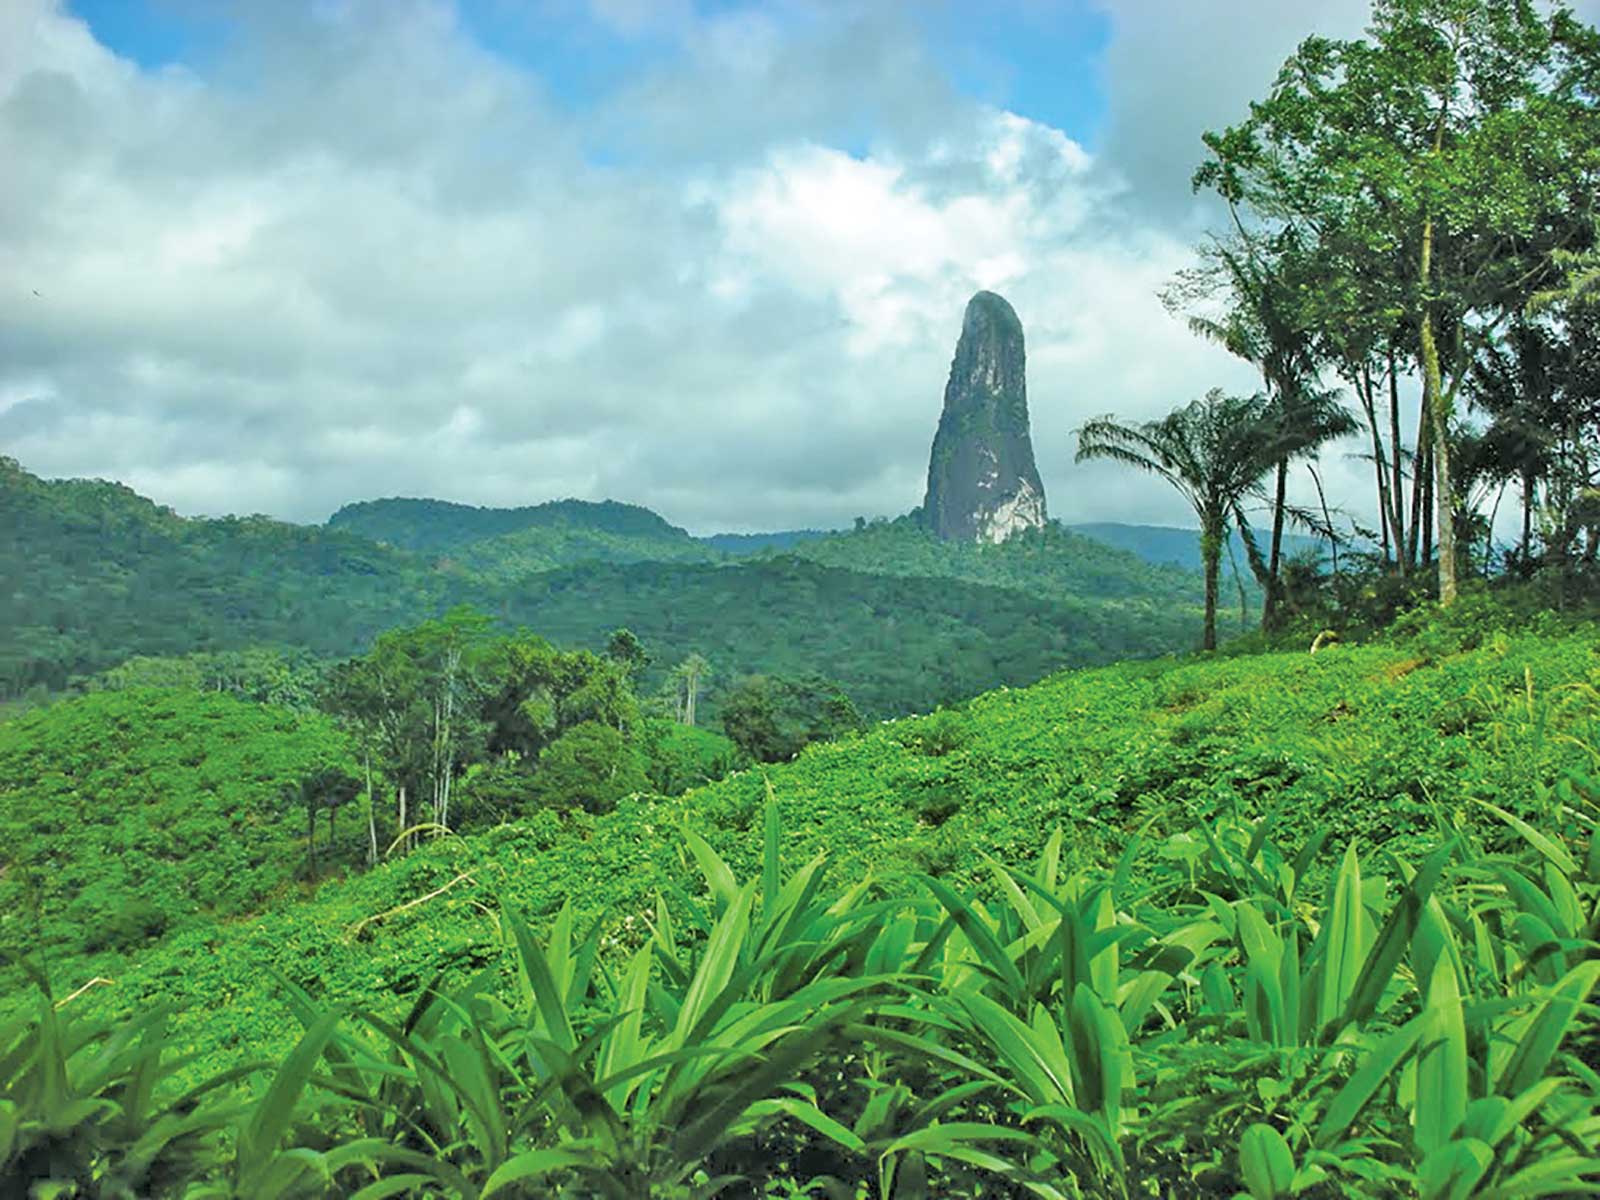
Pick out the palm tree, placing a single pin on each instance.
(1213, 450)
(1264, 324)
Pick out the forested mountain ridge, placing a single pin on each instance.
(1047, 562)
(436, 525)
(98, 575)
(896, 642)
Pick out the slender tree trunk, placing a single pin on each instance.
(1427, 509)
(1419, 486)
(401, 800)
(1270, 614)
(1527, 516)
(1437, 403)
(372, 819)
(1210, 556)
(1397, 489)
(1488, 537)
(1327, 519)
(311, 839)
(1238, 581)
(1379, 463)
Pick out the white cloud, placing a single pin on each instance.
(362, 256)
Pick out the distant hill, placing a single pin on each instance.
(752, 543)
(95, 574)
(1048, 563)
(436, 525)
(1165, 544)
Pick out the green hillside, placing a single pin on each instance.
(432, 526)
(512, 556)
(96, 574)
(124, 814)
(897, 643)
(1040, 924)
(1385, 746)
(1048, 563)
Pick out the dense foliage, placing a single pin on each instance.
(124, 814)
(1222, 1026)
(1403, 208)
(96, 574)
(772, 719)
(894, 643)
(1048, 563)
(1387, 742)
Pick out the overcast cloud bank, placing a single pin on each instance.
(358, 254)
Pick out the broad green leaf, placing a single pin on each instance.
(1344, 949)
(977, 931)
(1266, 1162)
(548, 995)
(1378, 1064)
(259, 1139)
(1398, 931)
(1546, 846)
(1542, 1037)
(718, 874)
(1453, 1170)
(534, 1165)
(1442, 1081)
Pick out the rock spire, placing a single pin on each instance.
(982, 481)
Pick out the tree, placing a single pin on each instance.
(1580, 283)
(1214, 450)
(772, 718)
(690, 675)
(1265, 321)
(627, 651)
(591, 766)
(1452, 149)
(327, 788)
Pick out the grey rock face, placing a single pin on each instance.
(982, 481)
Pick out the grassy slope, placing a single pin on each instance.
(1388, 744)
(148, 806)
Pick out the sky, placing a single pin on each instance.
(274, 256)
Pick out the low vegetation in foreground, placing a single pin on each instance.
(1278, 925)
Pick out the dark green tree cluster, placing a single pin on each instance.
(508, 717)
(772, 718)
(1412, 214)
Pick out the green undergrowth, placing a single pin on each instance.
(1388, 746)
(127, 814)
